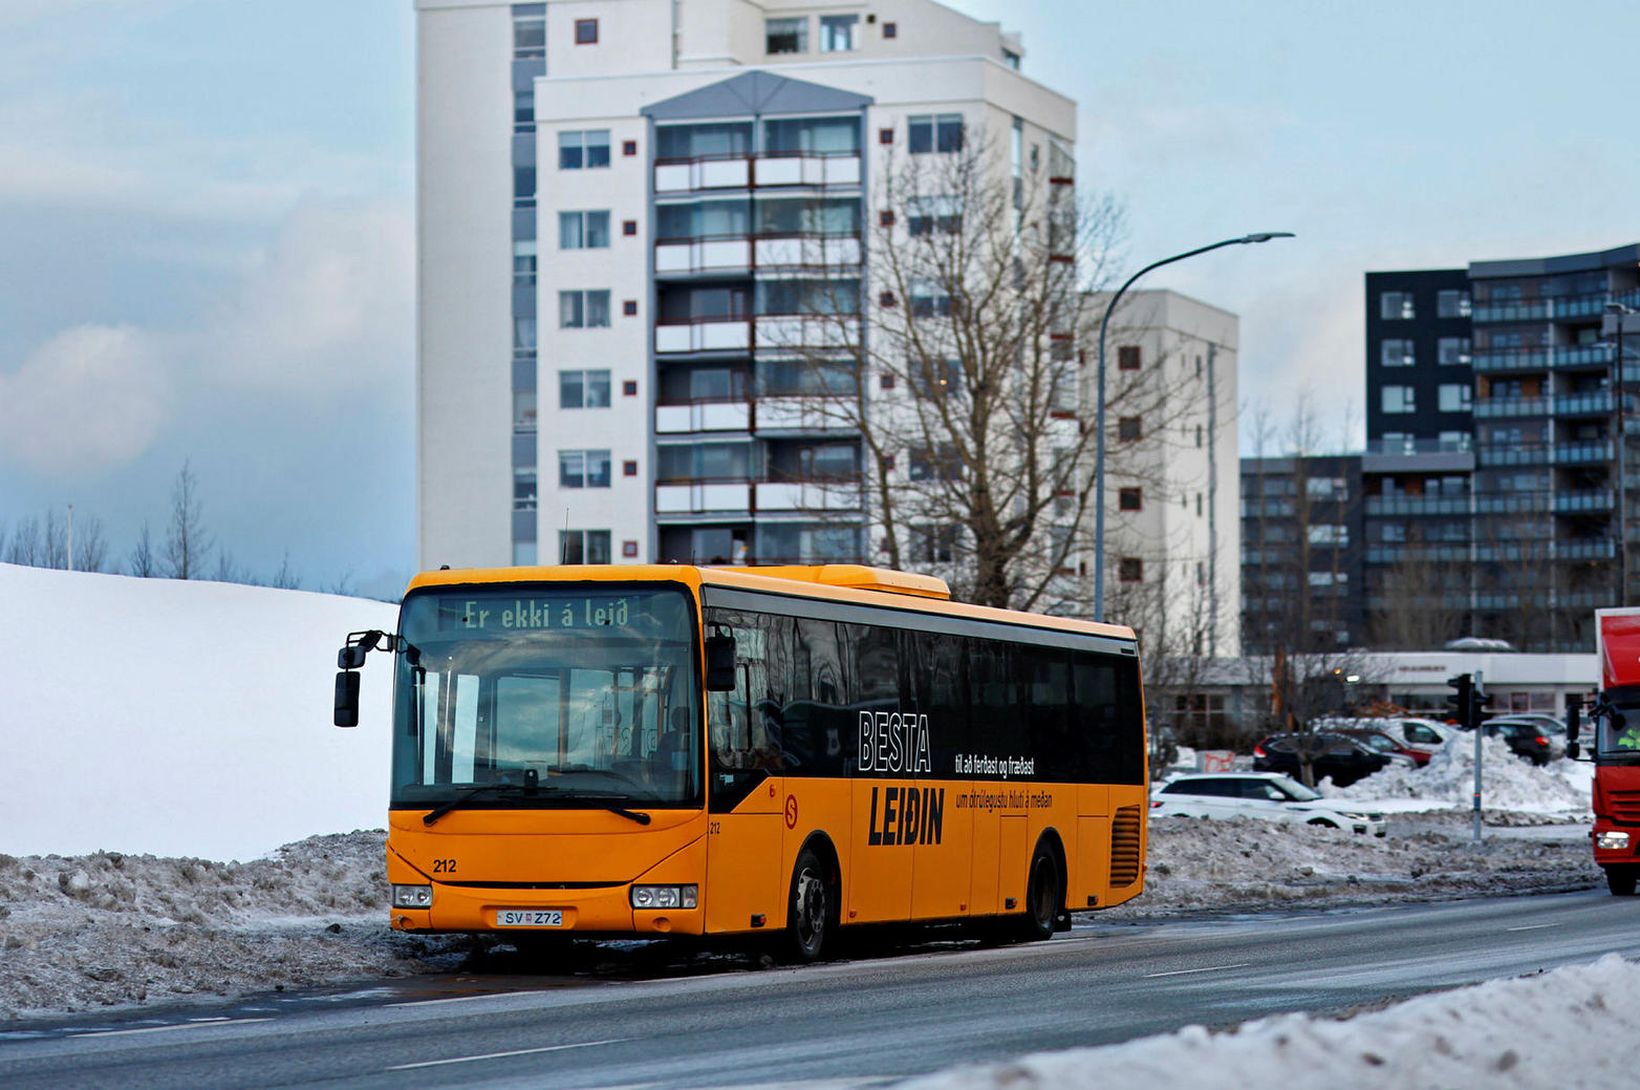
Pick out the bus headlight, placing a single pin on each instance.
(412, 896)
(1616, 841)
(664, 896)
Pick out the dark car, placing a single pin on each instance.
(1387, 743)
(1343, 758)
(1526, 740)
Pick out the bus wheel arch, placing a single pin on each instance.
(811, 926)
(1046, 882)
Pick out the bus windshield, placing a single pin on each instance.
(590, 687)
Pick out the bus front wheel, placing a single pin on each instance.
(1043, 897)
(810, 913)
(1621, 880)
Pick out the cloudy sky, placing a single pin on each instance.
(206, 220)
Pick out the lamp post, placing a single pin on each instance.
(1619, 311)
(1099, 420)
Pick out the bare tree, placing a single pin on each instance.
(956, 364)
(90, 546)
(141, 562)
(286, 578)
(187, 545)
(26, 546)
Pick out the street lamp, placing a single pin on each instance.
(1619, 311)
(1099, 421)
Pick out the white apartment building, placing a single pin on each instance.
(1173, 523)
(629, 213)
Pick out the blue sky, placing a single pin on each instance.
(206, 220)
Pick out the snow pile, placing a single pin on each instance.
(1504, 1034)
(1247, 864)
(185, 718)
(109, 929)
(1509, 783)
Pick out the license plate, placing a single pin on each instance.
(531, 917)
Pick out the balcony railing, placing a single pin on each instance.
(743, 495)
(693, 416)
(1582, 355)
(1598, 549)
(1425, 551)
(1417, 505)
(1514, 454)
(1593, 404)
(801, 414)
(767, 332)
(1492, 407)
(731, 253)
(1592, 452)
(1412, 446)
(1582, 500)
(1510, 359)
(769, 169)
(1519, 503)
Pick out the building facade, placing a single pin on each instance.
(640, 224)
(1511, 525)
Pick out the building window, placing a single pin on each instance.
(629, 308)
(885, 136)
(891, 30)
(583, 546)
(929, 298)
(1129, 429)
(530, 37)
(837, 33)
(1397, 353)
(934, 132)
(1455, 440)
(1130, 499)
(1453, 351)
(524, 488)
(524, 410)
(524, 187)
(586, 32)
(629, 388)
(1452, 304)
(786, 35)
(523, 334)
(629, 148)
(1011, 59)
(935, 463)
(1454, 397)
(629, 469)
(583, 469)
(1130, 569)
(524, 111)
(1395, 305)
(930, 378)
(629, 228)
(1399, 399)
(926, 215)
(583, 149)
(1328, 533)
(1127, 357)
(583, 230)
(583, 389)
(629, 550)
(933, 544)
(524, 261)
(583, 309)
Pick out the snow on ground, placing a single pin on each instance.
(1503, 1035)
(1508, 783)
(181, 717)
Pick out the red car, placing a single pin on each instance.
(1384, 743)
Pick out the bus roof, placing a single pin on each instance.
(855, 583)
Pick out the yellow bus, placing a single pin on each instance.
(668, 750)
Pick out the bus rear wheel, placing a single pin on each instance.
(1043, 897)
(810, 913)
(1621, 880)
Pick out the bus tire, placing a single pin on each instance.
(811, 915)
(1621, 880)
(1044, 900)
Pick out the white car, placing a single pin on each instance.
(1267, 796)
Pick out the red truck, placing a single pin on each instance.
(1615, 745)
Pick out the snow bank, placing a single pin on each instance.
(1508, 782)
(1247, 864)
(183, 718)
(1504, 1034)
(108, 929)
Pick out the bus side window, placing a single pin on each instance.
(1095, 714)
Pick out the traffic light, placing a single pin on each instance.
(1462, 700)
(1477, 703)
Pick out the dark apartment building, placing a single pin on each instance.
(1301, 554)
(1493, 495)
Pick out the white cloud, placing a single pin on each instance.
(90, 399)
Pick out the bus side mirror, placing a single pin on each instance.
(347, 699)
(720, 664)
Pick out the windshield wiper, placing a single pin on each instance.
(461, 800)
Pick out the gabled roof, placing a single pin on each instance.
(756, 93)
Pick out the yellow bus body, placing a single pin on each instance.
(583, 863)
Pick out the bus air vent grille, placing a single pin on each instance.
(1124, 847)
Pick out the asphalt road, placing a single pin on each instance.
(858, 1021)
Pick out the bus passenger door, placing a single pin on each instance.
(942, 882)
(880, 859)
(745, 890)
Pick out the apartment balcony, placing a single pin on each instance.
(1584, 501)
(1417, 455)
(1596, 452)
(1529, 454)
(1427, 552)
(1417, 505)
(1535, 310)
(805, 414)
(1599, 403)
(1491, 408)
(820, 495)
(1489, 360)
(1512, 503)
(1582, 355)
(744, 496)
(715, 334)
(704, 496)
(745, 172)
(729, 254)
(800, 332)
(699, 416)
(1598, 549)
